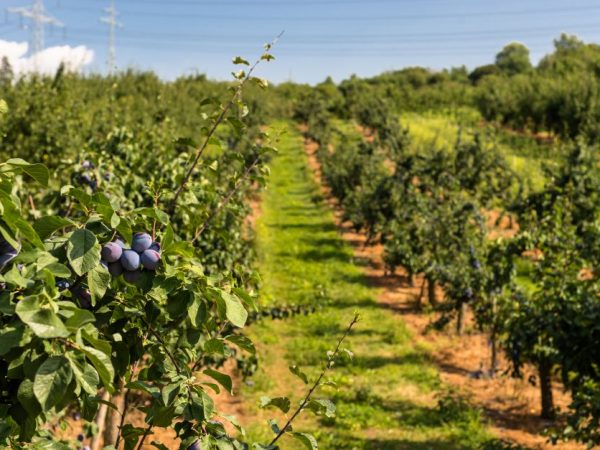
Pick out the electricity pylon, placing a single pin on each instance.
(113, 24)
(39, 19)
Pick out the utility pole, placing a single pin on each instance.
(113, 24)
(39, 19)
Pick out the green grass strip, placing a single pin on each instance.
(389, 396)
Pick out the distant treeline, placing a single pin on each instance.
(560, 95)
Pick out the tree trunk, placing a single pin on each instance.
(460, 320)
(420, 297)
(113, 417)
(493, 342)
(411, 278)
(431, 291)
(100, 421)
(545, 372)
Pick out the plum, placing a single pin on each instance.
(85, 178)
(132, 277)
(111, 252)
(155, 246)
(83, 295)
(141, 242)
(150, 259)
(7, 257)
(130, 260)
(115, 269)
(63, 285)
(120, 243)
(195, 446)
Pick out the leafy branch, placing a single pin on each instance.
(238, 91)
(330, 362)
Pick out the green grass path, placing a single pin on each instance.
(387, 398)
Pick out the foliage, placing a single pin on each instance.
(71, 334)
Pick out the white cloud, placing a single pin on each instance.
(48, 60)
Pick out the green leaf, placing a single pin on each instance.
(28, 232)
(51, 381)
(124, 229)
(103, 365)
(322, 407)
(78, 319)
(58, 270)
(235, 311)
(242, 342)
(154, 213)
(43, 321)
(98, 281)
(38, 172)
(296, 371)
(267, 57)
(237, 125)
(208, 405)
(170, 392)
(83, 251)
(282, 403)
(240, 60)
(308, 440)
(11, 337)
(274, 426)
(27, 398)
(221, 378)
(47, 225)
(85, 375)
(260, 82)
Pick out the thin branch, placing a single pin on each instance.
(329, 365)
(126, 400)
(146, 433)
(226, 200)
(200, 150)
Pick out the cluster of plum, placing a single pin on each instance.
(120, 260)
(7, 253)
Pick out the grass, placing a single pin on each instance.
(441, 130)
(390, 396)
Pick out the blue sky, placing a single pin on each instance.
(322, 37)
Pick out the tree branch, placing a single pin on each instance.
(329, 365)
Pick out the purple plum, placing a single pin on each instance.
(130, 260)
(141, 242)
(132, 277)
(111, 252)
(150, 259)
(115, 269)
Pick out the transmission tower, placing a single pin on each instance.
(113, 24)
(39, 19)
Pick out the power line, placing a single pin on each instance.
(293, 39)
(362, 18)
(113, 24)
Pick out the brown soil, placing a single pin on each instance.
(512, 405)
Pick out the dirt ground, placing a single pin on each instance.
(512, 405)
